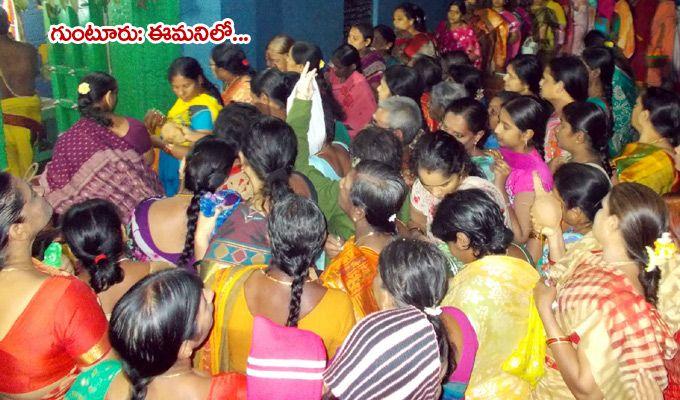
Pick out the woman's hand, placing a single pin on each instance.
(333, 246)
(647, 388)
(172, 133)
(500, 168)
(544, 296)
(153, 119)
(305, 86)
(546, 212)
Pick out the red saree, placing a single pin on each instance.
(62, 329)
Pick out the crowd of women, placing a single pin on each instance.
(376, 225)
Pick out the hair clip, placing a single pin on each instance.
(392, 218)
(321, 64)
(84, 88)
(609, 43)
(664, 249)
(100, 257)
(433, 311)
(245, 62)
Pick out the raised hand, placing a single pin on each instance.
(546, 212)
(305, 87)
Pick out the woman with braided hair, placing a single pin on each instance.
(284, 290)
(163, 229)
(94, 233)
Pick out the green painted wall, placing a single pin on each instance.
(141, 69)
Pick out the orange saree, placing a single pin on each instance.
(62, 329)
(238, 91)
(353, 271)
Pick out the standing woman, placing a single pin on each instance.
(412, 36)
(52, 326)
(492, 33)
(189, 119)
(605, 330)
(455, 34)
(99, 157)
(276, 54)
(94, 233)
(372, 63)
(230, 65)
(650, 160)
(514, 28)
(660, 47)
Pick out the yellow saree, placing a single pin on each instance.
(646, 164)
(353, 271)
(495, 294)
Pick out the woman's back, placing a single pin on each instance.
(132, 273)
(337, 157)
(65, 325)
(167, 223)
(326, 312)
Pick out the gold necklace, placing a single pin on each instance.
(286, 283)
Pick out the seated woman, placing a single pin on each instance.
(600, 64)
(163, 228)
(400, 80)
(584, 135)
(455, 34)
(403, 351)
(443, 167)
(495, 105)
(605, 330)
(234, 122)
(94, 234)
(520, 134)
(230, 65)
(524, 74)
(170, 314)
(409, 269)
(267, 156)
(580, 189)
(371, 195)
(276, 54)
(412, 37)
(351, 89)
(650, 160)
(493, 290)
(383, 41)
(466, 120)
(565, 80)
(360, 37)
(282, 290)
(99, 156)
(471, 78)
(271, 89)
(51, 326)
(189, 119)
